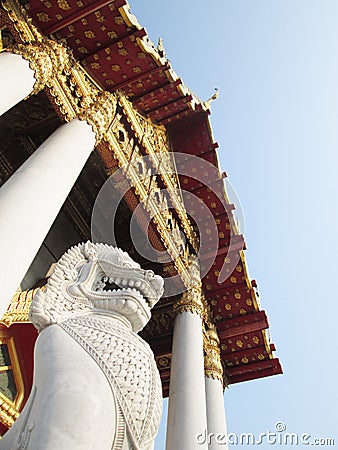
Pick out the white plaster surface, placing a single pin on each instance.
(66, 414)
(31, 199)
(17, 80)
(187, 407)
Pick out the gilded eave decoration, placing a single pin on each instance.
(76, 96)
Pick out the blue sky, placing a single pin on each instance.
(276, 65)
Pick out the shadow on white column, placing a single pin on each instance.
(33, 196)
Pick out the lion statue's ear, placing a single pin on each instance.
(37, 313)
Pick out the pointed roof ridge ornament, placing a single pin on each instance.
(160, 47)
(215, 96)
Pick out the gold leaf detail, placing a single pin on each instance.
(112, 34)
(89, 34)
(43, 17)
(63, 4)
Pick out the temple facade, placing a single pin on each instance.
(102, 141)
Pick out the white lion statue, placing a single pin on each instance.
(96, 384)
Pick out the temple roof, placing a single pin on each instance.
(118, 55)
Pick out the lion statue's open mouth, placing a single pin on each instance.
(98, 277)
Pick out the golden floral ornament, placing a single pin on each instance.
(100, 114)
(112, 34)
(45, 59)
(83, 50)
(43, 17)
(89, 34)
(119, 20)
(191, 301)
(63, 4)
(40, 62)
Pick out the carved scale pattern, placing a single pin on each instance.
(128, 363)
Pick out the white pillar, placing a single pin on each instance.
(31, 199)
(16, 80)
(187, 409)
(217, 433)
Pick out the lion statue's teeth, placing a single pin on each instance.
(99, 275)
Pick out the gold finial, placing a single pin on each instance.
(207, 103)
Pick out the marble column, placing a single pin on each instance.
(187, 408)
(32, 197)
(17, 80)
(216, 421)
(217, 432)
